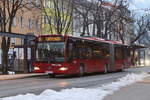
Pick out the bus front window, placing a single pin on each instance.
(50, 51)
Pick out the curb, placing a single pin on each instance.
(20, 76)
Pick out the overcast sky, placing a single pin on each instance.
(140, 4)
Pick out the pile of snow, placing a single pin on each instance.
(83, 93)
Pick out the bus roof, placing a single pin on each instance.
(97, 39)
(89, 38)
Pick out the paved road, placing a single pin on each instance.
(37, 85)
(138, 91)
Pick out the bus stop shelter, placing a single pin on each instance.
(138, 55)
(26, 49)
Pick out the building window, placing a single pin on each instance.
(22, 41)
(13, 40)
(37, 2)
(30, 23)
(21, 22)
(30, 3)
(14, 21)
(37, 25)
(46, 3)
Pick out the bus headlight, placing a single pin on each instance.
(36, 68)
(63, 68)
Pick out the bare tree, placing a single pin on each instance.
(98, 15)
(116, 18)
(59, 16)
(142, 27)
(8, 10)
(124, 20)
(82, 12)
(107, 18)
(140, 34)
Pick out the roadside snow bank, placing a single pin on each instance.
(83, 93)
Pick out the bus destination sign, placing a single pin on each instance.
(47, 39)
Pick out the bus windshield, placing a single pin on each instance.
(50, 51)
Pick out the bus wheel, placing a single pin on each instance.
(106, 69)
(81, 71)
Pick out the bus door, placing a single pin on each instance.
(127, 56)
(111, 65)
(84, 55)
(99, 57)
(118, 57)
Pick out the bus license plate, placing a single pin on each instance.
(49, 72)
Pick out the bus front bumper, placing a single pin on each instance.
(62, 70)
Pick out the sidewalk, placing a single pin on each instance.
(137, 91)
(19, 76)
(137, 66)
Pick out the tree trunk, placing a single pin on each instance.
(5, 48)
(94, 29)
(4, 62)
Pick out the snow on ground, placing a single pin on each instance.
(83, 93)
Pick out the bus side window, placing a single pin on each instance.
(70, 51)
(98, 52)
(85, 53)
(106, 52)
(118, 54)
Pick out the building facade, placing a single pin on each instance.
(26, 22)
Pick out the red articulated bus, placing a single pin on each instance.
(66, 55)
